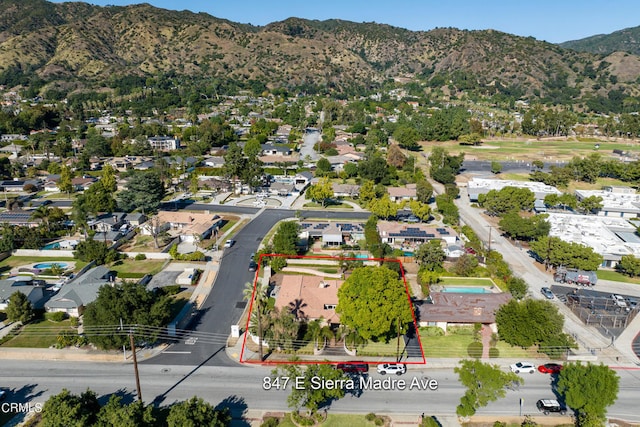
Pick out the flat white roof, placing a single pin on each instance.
(596, 232)
(499, 184)
(614, 201)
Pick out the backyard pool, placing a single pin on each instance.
(465, 290)
(54, 245)
(48, 265)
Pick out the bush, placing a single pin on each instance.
(430, 422)
(75, 321)
(379, 421)
(140, 257)
(494, 353)
(432, 331)
(58, 316)
(270, 422)
(475, 349)
(370, 416)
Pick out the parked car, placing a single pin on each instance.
(523, 367)
(229, 243)
(620, 302)
(632, 303)
(253, 266)
(547, 293)
(550, 368)
(353, 367)
(550, 405)
(392, 368)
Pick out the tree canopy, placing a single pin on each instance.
(588, 389)
(557, 252)
(19, 308)
(533, 322)
(196, 412)
(307, 395)
(145, 191)
(508, 199)
(373, 300)
(529, 228)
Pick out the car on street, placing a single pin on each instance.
(523, 367)
(229, 243)
(3, 395)
(353, 367)
(253, 266)
(547, 293)
(392, 368)
(547, 406)
(632, 303)
(550, 368)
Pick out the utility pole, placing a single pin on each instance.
(398, 339)
(490, 228)
(135, 365)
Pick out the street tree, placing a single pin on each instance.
(373, 301)
(555, 252)
(117, 413)
(629, 265)
(129, 303)
(284, 241)
(521, 228)
(484, 382)
(588, 389)
(508, 199)
(496, 167)
(383, 207)
(196, 412)
(307, 395)
(367, 191)
(533, 322)
(430, 255)
(66, 409)
(19, 308)
(448, 209)
(321, 191)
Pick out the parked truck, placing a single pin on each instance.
(573, 276)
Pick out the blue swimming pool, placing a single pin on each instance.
(54, 245)
(47, 265)
(465, 290)
(362, 256)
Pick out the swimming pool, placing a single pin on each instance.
(49, 246)
(47, 265)
(465, 290)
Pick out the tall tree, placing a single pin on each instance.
(430, 255)
(588, 389)
(321, 191)
(373, 300)
(144, 191)
(117, 413)
(19, 308)
(197, 412)
(484, 382)
(66, 409)
(64, 183)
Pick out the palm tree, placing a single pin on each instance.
(260, 300)
(42, 212)
(295, 307)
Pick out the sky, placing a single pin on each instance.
(554, 21)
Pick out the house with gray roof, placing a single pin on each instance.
(76, 294)
(32, 289)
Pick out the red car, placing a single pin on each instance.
(550, 368)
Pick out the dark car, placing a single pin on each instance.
(550, 405)
(353, 367)
(550, 368)
(3, 395)
(253, 266)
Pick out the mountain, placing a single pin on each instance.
(77, 45)
(627, 40)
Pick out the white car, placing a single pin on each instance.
(523, 367)
(392, 368)
(620, 302)
(229, 243)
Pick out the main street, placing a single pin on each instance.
(241, 388)
(224, 305)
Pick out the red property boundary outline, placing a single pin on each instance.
(323, 362)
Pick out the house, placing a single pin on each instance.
(164, 143)
(281, 189)
(12, 148)
(18, 186)
(135, 219)
(82, 290)
(445, 309)
(401, 235)
(188, 226)
(108, 237)
(108, 222)
(397, 194)
(302, 179)
(214, 162)
(82, 183)
(333, 233)
(32, 289)
(213, 184)
(275, 150)
(120, 164)
(315, 296)
(10, 137)
(50, 183)
(19, 217)
(345, 190)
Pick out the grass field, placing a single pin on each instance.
(330, 206)
(526, 149)
(131, 269)
(335, 420)
(616, 277)
(39, 334)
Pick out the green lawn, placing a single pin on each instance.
(330, 206)
(39, 334)
(132, 269)
(455, 345)
(335, 420)
(616, 277)
(466, 281)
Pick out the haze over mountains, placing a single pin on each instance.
(77, 45)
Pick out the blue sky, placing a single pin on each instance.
(551, 20)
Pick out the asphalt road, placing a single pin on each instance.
(242, 388)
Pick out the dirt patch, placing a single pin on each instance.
(488, 420)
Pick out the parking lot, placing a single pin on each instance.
(599, 309)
